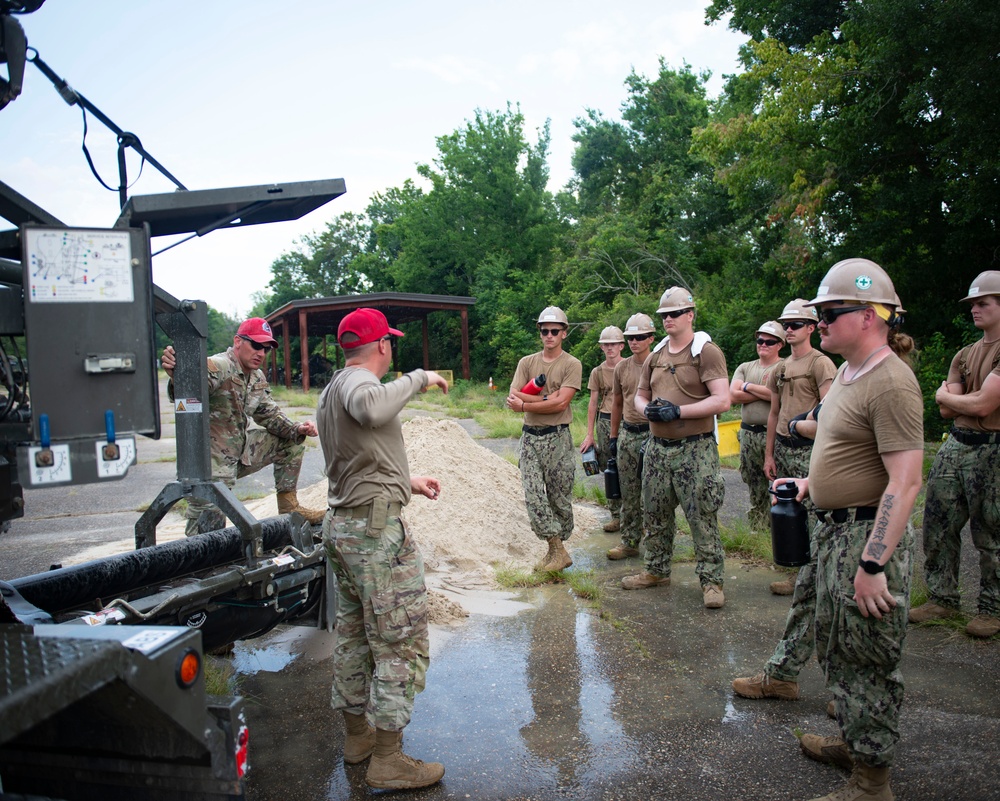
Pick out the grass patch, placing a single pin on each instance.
(513, 578)
(588, 491)
(740, 539)
(220, 676)
(295, 396)
(252, 495)
(730, 462)
(585, 585)
(499, 423)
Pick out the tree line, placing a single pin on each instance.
(851, 129)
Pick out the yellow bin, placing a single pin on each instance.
(729, 445)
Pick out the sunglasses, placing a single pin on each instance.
(829, 316)
(675, 314)
(794, 325)
(255, 345)
(549, 332)
(636, 337)
(767, 343)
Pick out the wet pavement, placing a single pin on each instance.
(554, 697)
(541, 695)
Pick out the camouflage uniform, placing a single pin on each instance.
(752, 447)
(629, 444)
(603, 438)
(547, 472)
(688, 474)
(963, 485)
(381, 651)
(860, 656)
(237, 451)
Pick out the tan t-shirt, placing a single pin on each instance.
(565, 371)
(797, 383)
(362, 436)
(755, 413)
(601, 381)
(627, 374)
(681, 378)
(879, 412)
(971, 366)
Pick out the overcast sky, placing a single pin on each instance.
(226, 93)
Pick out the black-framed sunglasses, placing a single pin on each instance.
(255, 345)
(674, 314)
(829, 316)
(549, 332)
(636, 337)
(794, 325)
(768, 343)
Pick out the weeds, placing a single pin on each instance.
(627, 630)
(512, 578)
(220, 677)
(740, 539)
(585, 585)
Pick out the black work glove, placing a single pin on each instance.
(662, 411)
(613, 447)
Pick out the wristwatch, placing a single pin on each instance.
(871, 567)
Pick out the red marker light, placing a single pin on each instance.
(188, 669)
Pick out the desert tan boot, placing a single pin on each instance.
(983, 626)
(612, 525)
(867, 783)
(713, 597)
(763, 686)
(622, 552)
(644, 581)
(931, 611)
(559, 559)
(391, 769)
(831, 750)
(288, 502)
(360, 740)
(785, 586)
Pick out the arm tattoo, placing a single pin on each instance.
(876, 543)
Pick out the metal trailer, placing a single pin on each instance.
(102, 691)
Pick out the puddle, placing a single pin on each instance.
(249, 660)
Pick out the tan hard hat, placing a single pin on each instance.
(772, 328)
(987, 283)
(640, 324)
(899, 306)
(611, 336)
(798, 309)
(860, 280)
(677, 297)
(553, 314)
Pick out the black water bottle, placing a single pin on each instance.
(612, 489)
(789, 527)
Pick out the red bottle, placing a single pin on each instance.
(535, 385)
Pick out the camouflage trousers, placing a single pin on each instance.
(687, 474)
(963, 485)
(603, 438)
(381, 647)
(631, 486)
(859, 655)
(262, 448)
(752, 446)
(799, 637)
(548, 468)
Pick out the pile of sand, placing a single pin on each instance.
(479, 521)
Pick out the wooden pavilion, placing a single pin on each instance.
(321, 316)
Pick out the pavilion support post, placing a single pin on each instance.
(304, 347)
(465, 344)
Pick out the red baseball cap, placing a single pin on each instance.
(257, 329)
(363, 326)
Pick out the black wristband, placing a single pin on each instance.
(871, 567)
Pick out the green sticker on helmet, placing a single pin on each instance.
(863, 282)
